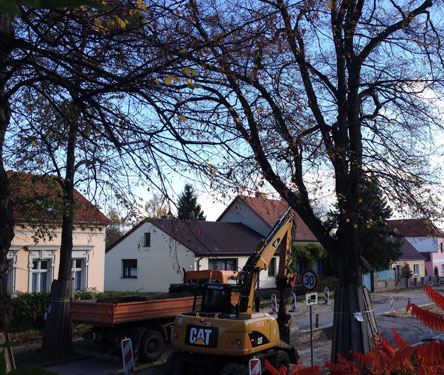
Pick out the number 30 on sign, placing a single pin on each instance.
(309, 280)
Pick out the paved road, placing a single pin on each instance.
(380, 302)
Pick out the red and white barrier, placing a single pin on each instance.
(326, 295)
(293, 302)
(136, 356)
(317, 321)
(127, 356)
(273, 303)
(254, 366)
(391, 305)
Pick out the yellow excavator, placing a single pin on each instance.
(226, 333)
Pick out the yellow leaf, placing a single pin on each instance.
(347, 220)
(258, 110)
(34, 143)
(157, 80)
(168, 80)
(356, 225)
(238, 120)
(186, 70)
(213, 173)
(176, 79)
(140, 5)
(330, 4)
(249, 165)
(211, 166)
(182, 117)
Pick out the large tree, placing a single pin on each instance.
(299, 88)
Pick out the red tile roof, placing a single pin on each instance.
(416, 228)
(211, 238)
(270, 210)
(408, 252)
(36, 197)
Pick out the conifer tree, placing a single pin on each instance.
(188, 208)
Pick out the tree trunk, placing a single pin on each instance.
(58, 327)
(6, 214)
(354, 322)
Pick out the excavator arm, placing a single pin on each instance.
(279, 239)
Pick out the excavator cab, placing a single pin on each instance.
(221, 299)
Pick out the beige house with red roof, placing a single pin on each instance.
(415, 260)
(34, 264)
(427, 239)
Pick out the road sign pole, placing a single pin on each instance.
(311, 333)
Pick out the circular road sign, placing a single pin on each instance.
(309, 280)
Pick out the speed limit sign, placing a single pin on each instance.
(309, 280)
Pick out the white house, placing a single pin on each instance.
(155, 253)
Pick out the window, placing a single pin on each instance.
(272, 267)
(147, 240)
(39, 275)
(442, 268)
(441, 245)
(223, 264)
(129, 268)
(416, 269)
(77, 273)
(10, 276)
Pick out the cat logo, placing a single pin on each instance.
(200, 336)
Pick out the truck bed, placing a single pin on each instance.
(130, 309)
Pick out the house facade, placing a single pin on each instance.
(261, 214)
(427, 239)
(415, 260)
(34, 254)
(156, 253)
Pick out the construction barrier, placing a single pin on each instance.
(136, 356)
(127, 356)
(293, 302)
(273, 303)
(391, 305)
(326, 294)
(317, 321)
(254, 366)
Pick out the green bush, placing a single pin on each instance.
(28, 311)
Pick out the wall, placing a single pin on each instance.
(437, 258)
(239, 212)
(88, 244)
(265, 281)
(157, 266)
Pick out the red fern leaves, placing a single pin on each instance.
(296, 370)
(437, 298)
(429, 319)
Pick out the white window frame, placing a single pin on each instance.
(12, 272)
(84, 256)
(39, 255)
(416, 265)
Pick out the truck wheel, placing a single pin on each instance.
(173, 365)
(282, 359)
(234, 369)
(152, 345)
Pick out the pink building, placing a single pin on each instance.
(427, 239)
